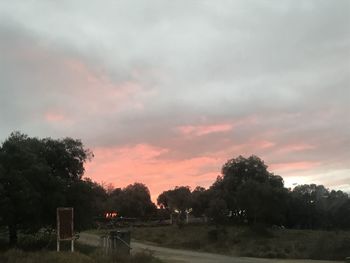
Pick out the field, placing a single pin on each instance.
(19, 256)
(41, 249)
(252, 242)
(229, 240)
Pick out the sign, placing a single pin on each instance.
(65, 225)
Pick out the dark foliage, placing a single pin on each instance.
(247, 193)
(39, 175)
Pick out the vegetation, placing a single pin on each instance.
(18, 256)
(247, 193)
(177, 200)
(132, 201)
(39, 175)
(41, 247)
(256, 241)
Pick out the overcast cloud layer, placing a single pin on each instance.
(164, 92)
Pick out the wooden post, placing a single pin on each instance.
(58, 245)
(72, 242)
(58, 231)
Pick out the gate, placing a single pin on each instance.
(116, 242)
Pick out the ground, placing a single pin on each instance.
(186, 256)
(249, 242)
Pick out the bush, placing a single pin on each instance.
(325, 248)
(19, 256)
(213, 235)
(144, 257)
(192, 244)
(261, 230)
(37, 241)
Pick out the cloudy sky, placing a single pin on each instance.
(164, 92)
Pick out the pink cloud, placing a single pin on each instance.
(125, 165)
(54, 117)
(263, 144)
(204, 129)
(292, 166)
(296, 147)
(94, 85)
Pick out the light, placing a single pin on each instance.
(111, 214)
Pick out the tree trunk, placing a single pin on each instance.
(13, 235)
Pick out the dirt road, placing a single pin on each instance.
(186, 256)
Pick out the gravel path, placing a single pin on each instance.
(186, 256)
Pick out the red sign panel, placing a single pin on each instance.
(65, 223)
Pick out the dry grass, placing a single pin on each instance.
(243, 241)
(18, 256)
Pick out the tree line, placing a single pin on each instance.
(247, 193)
(39, 175)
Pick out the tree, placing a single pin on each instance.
(250, 191)
(314, 206)
(200, 201)
(35, 176)
(262, 203)
(88, 199)
(178, 200)
(132, 201)
(217, 210)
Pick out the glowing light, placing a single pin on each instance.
(111, 214)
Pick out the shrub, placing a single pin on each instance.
(325, 248)
(261, 230)
(213, 235)
(37, 241)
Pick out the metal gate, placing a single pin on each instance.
(117, 242)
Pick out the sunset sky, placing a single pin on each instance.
(164, 92)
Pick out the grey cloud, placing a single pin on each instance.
(286, 63)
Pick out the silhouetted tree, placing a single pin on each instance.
(313, 206)
(250, 191)
(88, 199)
(178, 201)
(200, 201)
(132, 201)
(35, 176)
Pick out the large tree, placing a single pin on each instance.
(178, 199)
(35, 177)
(314, 206)
(200, 201)
(250, 191)
(132, 201)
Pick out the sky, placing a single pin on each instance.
(165, 92)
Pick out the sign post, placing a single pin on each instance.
(65, 226)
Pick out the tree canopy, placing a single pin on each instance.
(36, 177)
(132, 201)
(246, 192)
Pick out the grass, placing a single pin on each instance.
(232, 240)
(19, 256)
(95, 256)
(41, 248)
(244, 241)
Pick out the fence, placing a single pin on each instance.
(117, 242)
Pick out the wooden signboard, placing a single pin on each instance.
(65, 226)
